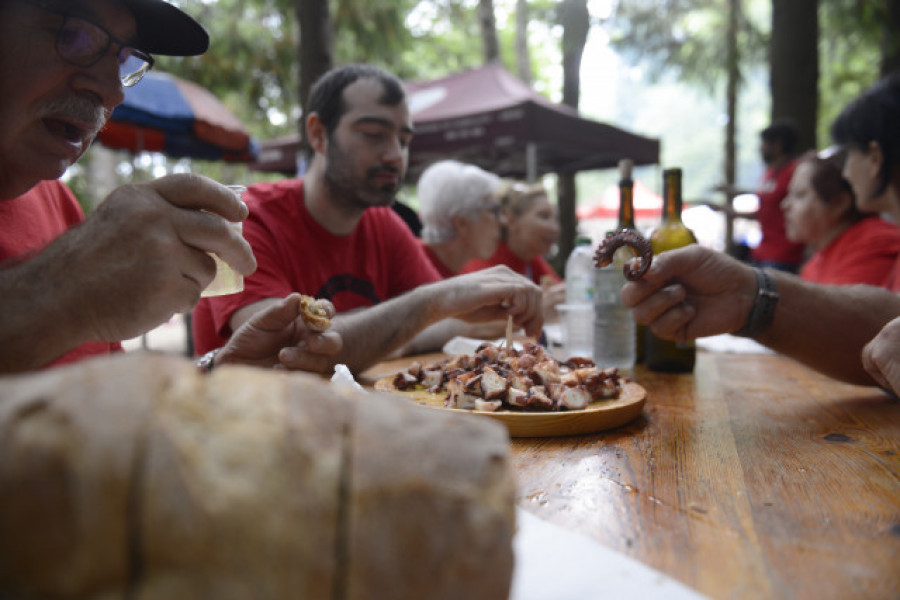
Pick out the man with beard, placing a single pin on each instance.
(333, 235)
(69, 287)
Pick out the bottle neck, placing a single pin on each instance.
(626, 204)
(672, 196)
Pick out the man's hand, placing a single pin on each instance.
(692, 292)
(881, 357)
(277, 336)
(491, 295)
(144, 253)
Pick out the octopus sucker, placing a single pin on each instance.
(635, 268)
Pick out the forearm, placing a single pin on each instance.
(35, 328)
(826, 327)
(372, 334)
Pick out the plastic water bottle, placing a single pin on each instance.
(580, 273)
(614, 327)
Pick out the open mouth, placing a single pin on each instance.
(66, 130)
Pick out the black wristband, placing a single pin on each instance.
(763, 311)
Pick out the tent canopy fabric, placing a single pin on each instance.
(488, 117)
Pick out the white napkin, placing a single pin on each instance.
(553, 563)
(343, 376)
(727, 343)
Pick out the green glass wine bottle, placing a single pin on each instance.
(666, 355)
(626, 221)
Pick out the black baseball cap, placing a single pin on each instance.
(164, 29)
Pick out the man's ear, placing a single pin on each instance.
(316, 134)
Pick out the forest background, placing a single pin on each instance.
(703, 76)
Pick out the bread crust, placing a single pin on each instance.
(136, 475)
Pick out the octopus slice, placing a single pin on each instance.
(635, 268)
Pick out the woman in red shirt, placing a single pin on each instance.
(529, 232)
(460, 213)
(849, 246)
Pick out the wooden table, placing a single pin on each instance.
(753, 477)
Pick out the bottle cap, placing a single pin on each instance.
(625, 167)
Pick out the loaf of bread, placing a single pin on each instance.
(136, 476)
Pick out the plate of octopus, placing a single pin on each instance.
(526, 389)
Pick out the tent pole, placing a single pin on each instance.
(531, 162)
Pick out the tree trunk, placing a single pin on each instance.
(523, 56)
(575, 19)
(316, 51)
(794, 65)
(733, 71)
(489, 43)
(890, 39)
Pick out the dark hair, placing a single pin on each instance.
(326, 98)
(829, 183)
(784, 131)
(874, 117)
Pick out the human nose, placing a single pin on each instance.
(395, 152)
(102, 80)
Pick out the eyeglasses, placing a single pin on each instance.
(82, 43)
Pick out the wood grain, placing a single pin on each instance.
(754, 477)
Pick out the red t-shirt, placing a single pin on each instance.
(436, 261)
(379, 260)
(775, 246)
(863, 253)
(30, 222)
(535, 269)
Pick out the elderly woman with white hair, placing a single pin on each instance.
(460, 214)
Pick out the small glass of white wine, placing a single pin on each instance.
(227, 280)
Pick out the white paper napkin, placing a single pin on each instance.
(553, 563)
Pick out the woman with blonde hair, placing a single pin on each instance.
(530, 230)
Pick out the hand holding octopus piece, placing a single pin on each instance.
(635, 268)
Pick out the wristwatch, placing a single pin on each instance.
(206, 362)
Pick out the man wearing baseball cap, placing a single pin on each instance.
(72, 287)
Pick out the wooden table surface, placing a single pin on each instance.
(753, 477)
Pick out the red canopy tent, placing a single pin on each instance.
(488, 117)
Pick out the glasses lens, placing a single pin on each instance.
(80, 42)
(132, 66)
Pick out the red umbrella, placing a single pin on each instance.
(167, 114)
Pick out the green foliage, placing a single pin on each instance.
(849, 54)
(684, 37)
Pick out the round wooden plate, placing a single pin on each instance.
(601, 415)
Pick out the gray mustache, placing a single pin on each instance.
(78, 109)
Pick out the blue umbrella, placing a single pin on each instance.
(178, 118)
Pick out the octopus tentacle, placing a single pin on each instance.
(635, 268)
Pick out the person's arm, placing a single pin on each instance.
(138, 259)
(374, 333)
(826, 327)
(695, 292)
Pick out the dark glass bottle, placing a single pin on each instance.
(626, 221)
(666, 355)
